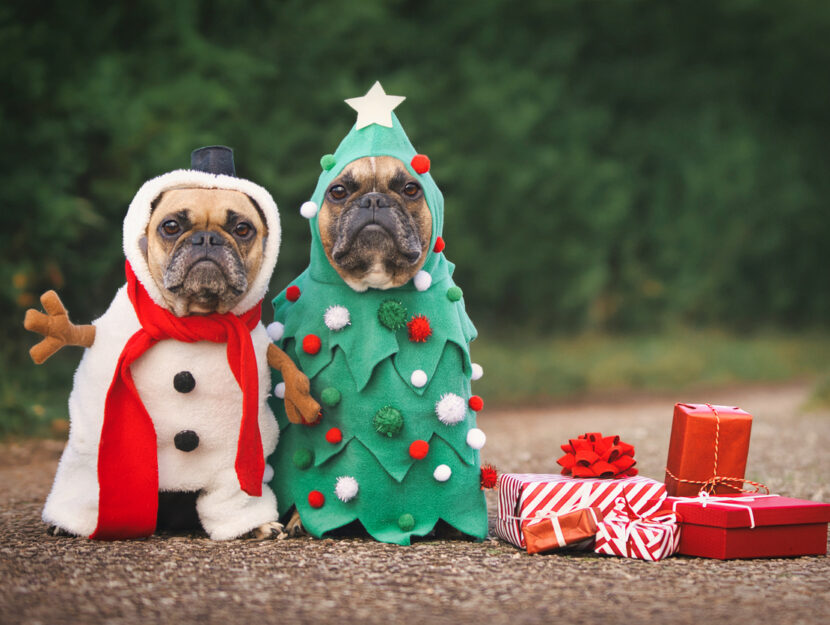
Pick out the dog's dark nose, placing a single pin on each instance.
(186, 440)
(206, 238)
(374, 201)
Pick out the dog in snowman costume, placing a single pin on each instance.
(170, 395)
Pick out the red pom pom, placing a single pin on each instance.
(334, 436)
(311, 344)
(419, 449)
(594, 455)
(489, 476)
(420, 163)
(419, 329)
(439, 245)
(316, 499)
(292, 293)
(476, 403)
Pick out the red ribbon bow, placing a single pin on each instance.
(595, 455)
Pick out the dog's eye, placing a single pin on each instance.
(243, 230)
(171, 227)
(411, 189)
(338, 192)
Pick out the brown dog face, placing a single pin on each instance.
(204, 247)
(375, 224)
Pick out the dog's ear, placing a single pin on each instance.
(142, 245)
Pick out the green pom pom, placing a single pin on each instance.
(330, 396)
(303, 458)
(328, 161)
(454, 293)
(388, 421)
(392, 314)
(406, 522)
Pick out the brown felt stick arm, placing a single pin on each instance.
(55, 327)
(300, 406)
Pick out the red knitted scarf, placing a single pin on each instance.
(127, 454)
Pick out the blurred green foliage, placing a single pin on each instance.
(608, 166)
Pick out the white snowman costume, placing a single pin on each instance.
(205, 398)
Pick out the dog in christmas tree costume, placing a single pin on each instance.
(379, 327)
(169, 396)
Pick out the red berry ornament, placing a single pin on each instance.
(439, 245)
(419, 329)
(419, 449)
(420, 163)
(292, 293)
(316, 499)
(311, 344)
(334, 436)
(476, 403)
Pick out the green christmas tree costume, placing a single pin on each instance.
(380, 390)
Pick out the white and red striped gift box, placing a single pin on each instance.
(645, 539)
(525, 497)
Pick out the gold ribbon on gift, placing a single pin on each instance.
(708, 486)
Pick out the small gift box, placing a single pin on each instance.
(625, 533)
(751, 526)
(526, 498)
(560, 531)
(707, 450)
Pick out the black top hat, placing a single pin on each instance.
(214, 159)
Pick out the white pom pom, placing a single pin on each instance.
(477, 371)
(476, 438)
(423, 280)
(419, 378)
(442, 473)
(275, 331)
(268, 475)
(337, 318)
(308, 209)
(450, 409)
(279, 390)
(346, 488)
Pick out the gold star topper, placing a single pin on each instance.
(375, 107)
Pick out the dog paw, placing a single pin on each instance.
(54, 530)
(294, 528)
(268, 531)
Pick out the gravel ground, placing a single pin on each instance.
(190, 579)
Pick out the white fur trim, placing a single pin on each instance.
(476, 438)
(138, 216)
(337, 318)
(418, 378)
(275, 331)
(268, 474)
(450, 409)
(423, 280)
(346, 488)
(478, 371)
(308, 209)
(442, 473)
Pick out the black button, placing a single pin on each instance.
(184, 382)
(186, 440)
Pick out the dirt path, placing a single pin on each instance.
(186, 580)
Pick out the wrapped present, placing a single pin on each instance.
(751, 526)
(525, 498)
(625, 533)
(570, 528)
(707, 450)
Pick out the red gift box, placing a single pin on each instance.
(707, 450)
(751, 526)
(525, 498)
